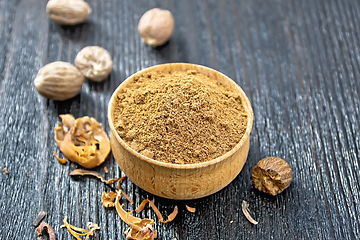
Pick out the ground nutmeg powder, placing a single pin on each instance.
(180, 117)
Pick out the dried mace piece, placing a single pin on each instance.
(83, 172)
(108, 199)
(190, 209)
(94, 62)
(82, 140)
(156, 26)
(39, 218)
(68, 12)
(138, 228)
(157, 212)
(48, 228)
(271, 175)
(77, 232)
(246, 211)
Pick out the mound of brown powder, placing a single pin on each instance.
(179, 117)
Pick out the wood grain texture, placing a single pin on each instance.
(298, 62)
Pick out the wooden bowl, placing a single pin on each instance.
(181, 181)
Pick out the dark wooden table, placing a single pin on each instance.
(298, 62)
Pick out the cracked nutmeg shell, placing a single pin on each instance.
(271, 175)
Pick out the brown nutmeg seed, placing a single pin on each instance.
(271, 175)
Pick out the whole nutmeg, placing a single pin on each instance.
(271, 175)
(156, 26)
(68, 12)
(59, 81)
(94, 62)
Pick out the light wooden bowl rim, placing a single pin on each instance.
(188, 66)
